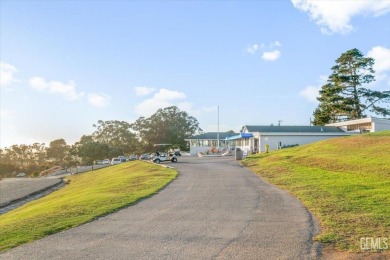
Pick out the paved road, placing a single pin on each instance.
(215, 209)
(12, 189)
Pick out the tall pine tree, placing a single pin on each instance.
(344, 96)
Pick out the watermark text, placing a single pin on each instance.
(374, 243)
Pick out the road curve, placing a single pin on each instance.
(215, 209)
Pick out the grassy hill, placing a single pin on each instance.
(344, 182)
(85, 197)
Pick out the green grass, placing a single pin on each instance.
(86, 197)
(344, 182)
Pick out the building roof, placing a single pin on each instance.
(240, 136)
(212, 136)
(292, 129)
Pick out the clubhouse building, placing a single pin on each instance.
(256, 138)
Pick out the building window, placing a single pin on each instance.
(364, 126)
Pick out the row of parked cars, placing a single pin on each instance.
(156, 157)
(121, 159)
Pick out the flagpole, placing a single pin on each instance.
(218, 131)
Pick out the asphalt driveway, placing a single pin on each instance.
(215, 209)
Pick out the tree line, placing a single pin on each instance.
(110, 139)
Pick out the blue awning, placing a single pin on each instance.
(240, 136)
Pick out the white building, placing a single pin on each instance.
(277, 137)
(208, 141)
(255, 138)
(369, 124)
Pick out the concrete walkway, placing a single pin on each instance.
(215, 209)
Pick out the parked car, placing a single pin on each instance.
(117, 161)
(20, 175)
(144, 156)
(133, 157)
(99, 162)
(106, 161)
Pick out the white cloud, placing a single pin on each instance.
(271, 55)
(168, 95)
(256, 47)
(310, 93)
(67, 90)
(382, 58)
(252, 49)
(335, 16)
(99, 100)
(161, 99)
(269, 52)
(7, 72)
(150, 106)
(382, 63)
(276, 44)
(186, 106)
(143, 91)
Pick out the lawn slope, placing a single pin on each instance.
(87, 196)
(344, 182)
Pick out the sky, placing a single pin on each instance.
(66, 64)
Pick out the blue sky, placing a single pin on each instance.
(67, 64)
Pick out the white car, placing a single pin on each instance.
(106, 161)
(116, 161)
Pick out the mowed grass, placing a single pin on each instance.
(86, 197)
(344, 182)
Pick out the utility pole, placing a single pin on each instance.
(279, 121)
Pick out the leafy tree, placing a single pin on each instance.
(168, 125)
(89, 150)
(58, 150)
(344, 97)
(22, 158)
(19, 155)
(330, 109)
(7, 163)
(116, 134)
(38, 152)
